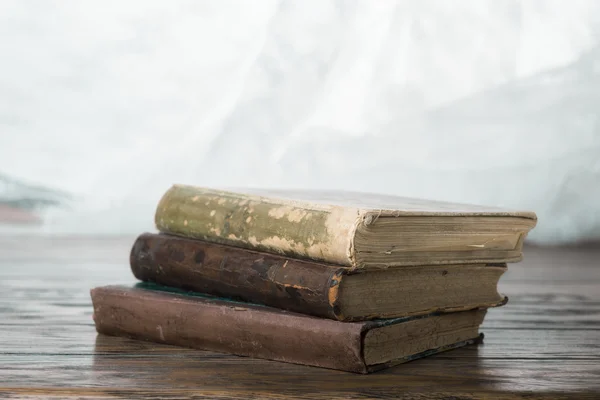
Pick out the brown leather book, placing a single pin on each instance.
(356, 230)
(313, 288)
(243, 329)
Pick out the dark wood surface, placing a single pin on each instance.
(545, 343)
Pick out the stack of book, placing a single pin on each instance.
(344, 280)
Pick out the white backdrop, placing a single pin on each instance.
(493, 102)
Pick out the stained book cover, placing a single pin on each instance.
(310, 287)
(357, 230)
(165, 315)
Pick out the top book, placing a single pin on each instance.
(352, 229)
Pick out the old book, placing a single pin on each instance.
(164, 316)
(310, 287)
(357, 230)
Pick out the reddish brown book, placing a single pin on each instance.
(313, 288)
(219, 325)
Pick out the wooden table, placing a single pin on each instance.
(545, 343)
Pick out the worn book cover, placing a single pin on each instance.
(357, 230)
(310, 287)
(161, 315)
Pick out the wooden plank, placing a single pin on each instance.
(228, 394)
(82, 340)
(551, 306)
(240, 375)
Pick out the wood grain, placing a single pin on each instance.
(545, 343)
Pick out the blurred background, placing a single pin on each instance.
(105, 104)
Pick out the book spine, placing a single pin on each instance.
(299, 230)
(240, 274)
(245, 331)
